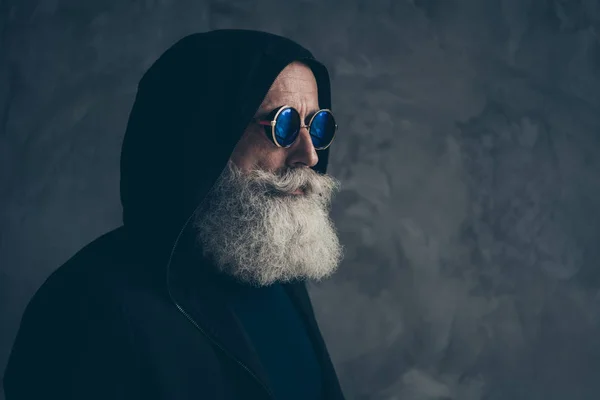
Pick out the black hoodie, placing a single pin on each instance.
(134, 314)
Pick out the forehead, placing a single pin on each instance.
(295, 82)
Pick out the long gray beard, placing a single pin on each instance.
(253, 230)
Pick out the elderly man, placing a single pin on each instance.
(201, 293)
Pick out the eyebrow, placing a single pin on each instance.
(270, 108)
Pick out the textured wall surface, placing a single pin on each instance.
(467, 151)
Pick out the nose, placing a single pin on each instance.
(302, 152)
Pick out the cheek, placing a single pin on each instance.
(252, 152)
(242, 155)
(271, 160)
(248, 156)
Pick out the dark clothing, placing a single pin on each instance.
(102, 327)
(140, 313)
(279, 330)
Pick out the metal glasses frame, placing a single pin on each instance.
(273, 122)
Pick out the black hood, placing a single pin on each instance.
(191, 109)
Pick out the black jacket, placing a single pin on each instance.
(137, 313)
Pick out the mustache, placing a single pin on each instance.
(287, 179)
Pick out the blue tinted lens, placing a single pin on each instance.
(322, 129)
(287, 127)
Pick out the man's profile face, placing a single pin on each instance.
(295, 86)
(251, 224)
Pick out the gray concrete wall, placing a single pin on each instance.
(467, 149)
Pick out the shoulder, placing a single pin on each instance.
(106, 293)
(97, 318)
(89, 279)
(97, 291)
(82, 298)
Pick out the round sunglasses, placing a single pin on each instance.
(282, 126)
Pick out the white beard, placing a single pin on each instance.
(253, 230)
